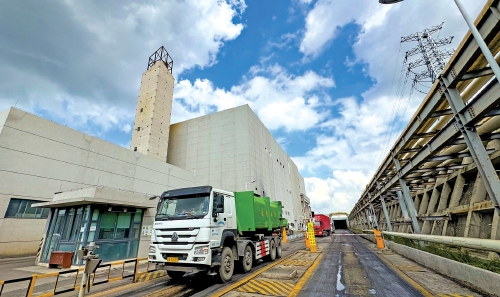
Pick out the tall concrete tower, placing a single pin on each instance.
(154, 107)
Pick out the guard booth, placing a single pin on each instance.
(111, 218)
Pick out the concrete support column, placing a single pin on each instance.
(443, 199)
(417, 202)
(495, 234)
(457, 191)
(428, 225)
(433, 201)
(445, 227)
(473, 223)
(424, 204)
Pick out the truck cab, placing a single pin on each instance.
(322, 225)
(195, 230)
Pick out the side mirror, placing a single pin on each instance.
(218, 205)
(158, 205)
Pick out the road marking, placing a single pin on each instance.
(297, 263)
(150, 276)
(454, 295)
(267, 287)
(410, 281)
(411, 268)
(300, 284)
(251, 276)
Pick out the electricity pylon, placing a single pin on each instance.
(432, 57)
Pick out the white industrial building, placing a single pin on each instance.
(88, 189)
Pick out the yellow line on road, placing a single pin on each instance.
(300, 284)
(251, 276)
(410, 281)
(274, 289)
(265, 289)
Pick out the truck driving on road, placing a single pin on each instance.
(322, 225)
(202, 229)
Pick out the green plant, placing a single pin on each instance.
(448, 252)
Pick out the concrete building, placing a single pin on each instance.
(40, 158)
(154, 107)
(86, 189)
(233, 150)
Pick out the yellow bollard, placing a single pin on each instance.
(284, 235)
(307, 240)
(379, 239)
(312, 239)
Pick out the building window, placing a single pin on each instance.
(21, 208)
(141, 109)
(138, 128)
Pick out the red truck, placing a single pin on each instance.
(322, 226)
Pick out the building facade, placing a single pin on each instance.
(40, 158)
(233, 150)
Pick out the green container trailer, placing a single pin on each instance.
(257, 213)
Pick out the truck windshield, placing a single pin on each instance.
(186, 207)
(316, 223)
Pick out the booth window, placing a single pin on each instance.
(115, 225)
(21, 208)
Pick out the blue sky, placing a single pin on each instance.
(319, 74)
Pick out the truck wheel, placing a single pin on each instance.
(226, 268)
(272, 250)
(175, 274)
(247, 259)
(279, 251)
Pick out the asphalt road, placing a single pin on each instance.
(349, 268)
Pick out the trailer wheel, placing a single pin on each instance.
(247, 259)
(279, 251)
(226, 268)
(175, 274)
(272, 250)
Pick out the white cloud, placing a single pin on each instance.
(335, 193)
(327, 17)
(84, 59)
(281, 100)
(351, 145)
(361, 134)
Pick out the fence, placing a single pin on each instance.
(103, 274)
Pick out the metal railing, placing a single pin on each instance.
(32, 280)
(489, 245)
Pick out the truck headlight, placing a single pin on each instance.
(152, 249)
(201, 250)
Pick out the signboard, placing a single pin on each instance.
(310, 235)
(147, 230)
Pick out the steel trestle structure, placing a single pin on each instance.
(440, 177)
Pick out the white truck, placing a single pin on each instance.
(202, 229)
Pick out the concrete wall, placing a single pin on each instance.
(474, 277)
(40, 157)
(229, 149)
